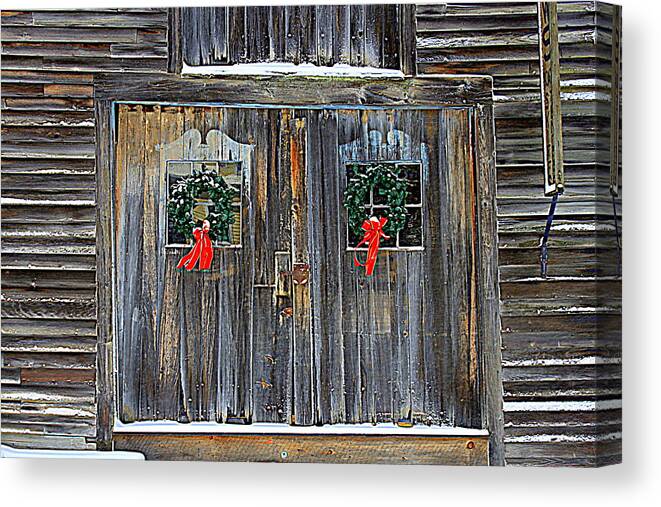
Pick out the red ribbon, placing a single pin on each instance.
(373, 233)
(201, 250)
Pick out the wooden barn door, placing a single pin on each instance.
(284, 329)
(399, 346)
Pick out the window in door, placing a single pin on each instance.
(376, 203)
(231, 173)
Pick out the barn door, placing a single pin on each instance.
(399, 346)
(184, 338)
(283, 328)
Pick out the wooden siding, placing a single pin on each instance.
(561, 335)
(359, 35)
(49, 60)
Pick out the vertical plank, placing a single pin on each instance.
(374, 30)
(129, 274)
(342, 35)
(357, 31)
(437, 348)
(190, 38)
(219, 35)
(283, 382)
(407, 39)
(152, 260)
(331, 260)
(293, 34)
(489, 291)
(175, 41)
(105, 166)
(168, 337)
(350, 148)
(308, 34)
(303, 346)
(237, 34)
(391, 35)
(381, 144)
(459, 167)
(235, 294)
(267, 304)
(325, 20)
(317, 246)
(277, 35)
(549, 69)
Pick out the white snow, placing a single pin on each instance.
(10, 452)
(561, 406)
(289, 69)
(283, 429)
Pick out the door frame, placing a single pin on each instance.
(474, 92)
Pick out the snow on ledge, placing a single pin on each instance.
(283, 429)
(11, 452)
(289, 69)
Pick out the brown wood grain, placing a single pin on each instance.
(310, 449)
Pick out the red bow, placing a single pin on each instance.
(201, 251)
(373, 233)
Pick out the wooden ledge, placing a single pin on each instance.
(383, 449)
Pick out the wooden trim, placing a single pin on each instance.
(549, 70)
(488, 287)
(616, 62)
(175, 58)
(286, 91)
(309, 448)
(104, 269)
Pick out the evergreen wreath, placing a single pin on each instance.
(388, 183)
(182, 199)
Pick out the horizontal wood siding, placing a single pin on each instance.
(49, 60)
(561, 335)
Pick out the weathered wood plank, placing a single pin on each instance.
(549, 64)
(302, 358)
(306, 449)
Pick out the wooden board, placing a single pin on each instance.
(310, 449)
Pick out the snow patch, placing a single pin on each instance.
(289, 69)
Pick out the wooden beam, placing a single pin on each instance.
(616, 62)
(549, 70)
(434, 91)
(410, 450)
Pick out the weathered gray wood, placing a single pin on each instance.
(374, 35)
(175, 57)
(549, 69)
(615, 130)
(431, 90)
(303, 349)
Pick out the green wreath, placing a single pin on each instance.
(211, 185)
(388, 183)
